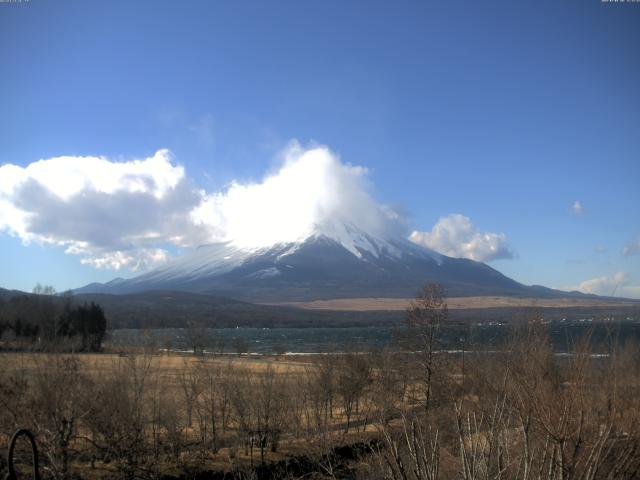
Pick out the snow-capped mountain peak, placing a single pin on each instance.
(335, 259)
(355, 240)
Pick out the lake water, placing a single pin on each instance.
(324, 340)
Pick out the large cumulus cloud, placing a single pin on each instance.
(113, 214)
(456, 236)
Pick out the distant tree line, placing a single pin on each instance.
(45, 319)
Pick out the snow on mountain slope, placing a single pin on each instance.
(219, 258)
(336, 260)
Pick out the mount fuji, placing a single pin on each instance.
(334, 260)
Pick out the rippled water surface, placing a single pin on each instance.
(324, 340)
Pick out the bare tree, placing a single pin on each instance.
(424, 316)
(388, 385)
(196, 336)
(118, 423)
(354, 375)
(57, 408)
(190, 387)
(212, 404)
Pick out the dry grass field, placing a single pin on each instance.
(215, 413)
(456, 303)
(169, 364)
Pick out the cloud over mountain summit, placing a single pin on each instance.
(129, 214)
(124, 214)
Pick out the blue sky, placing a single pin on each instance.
(506, 113)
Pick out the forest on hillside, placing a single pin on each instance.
(44, 321)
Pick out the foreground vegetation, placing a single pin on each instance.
(409, 413)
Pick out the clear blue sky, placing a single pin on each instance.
(504, 111)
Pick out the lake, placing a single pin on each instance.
(324, 340)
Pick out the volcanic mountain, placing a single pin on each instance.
(336, 260)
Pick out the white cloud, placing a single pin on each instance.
(577, 208)
(631, 248)
(456, 236)
(608, 285)
(313, 187)
(113, 214)
(68, 176)
(124, 214)
(134, 261)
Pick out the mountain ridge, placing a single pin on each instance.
(336, 260)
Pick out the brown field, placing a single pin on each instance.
(181, 396)
(455, 303)
(171, 365)
(144, 414)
